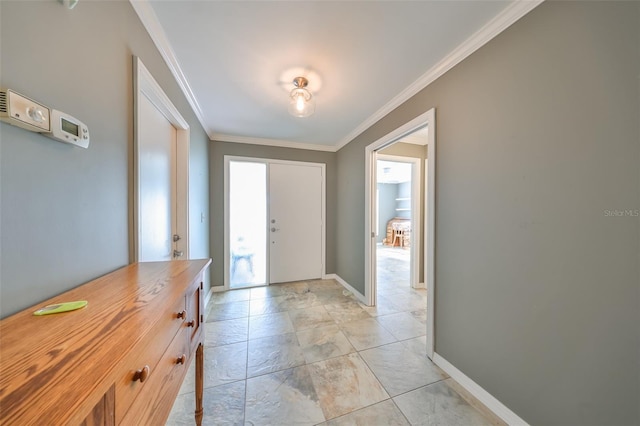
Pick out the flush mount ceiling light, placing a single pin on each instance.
(301, 101)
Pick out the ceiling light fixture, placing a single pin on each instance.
(301, 101)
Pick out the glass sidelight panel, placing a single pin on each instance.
(247, 224)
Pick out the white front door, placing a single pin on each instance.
(274, 221)
(157, 146)
(295, 222)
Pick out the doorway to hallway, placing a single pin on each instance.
(397, 210)
(425, 232)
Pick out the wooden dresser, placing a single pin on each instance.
(119, 360)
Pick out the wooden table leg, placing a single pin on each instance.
(199, 383)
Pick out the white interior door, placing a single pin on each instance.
(157, 151)
(295, 222)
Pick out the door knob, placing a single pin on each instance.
(142, 374)
(177, 253)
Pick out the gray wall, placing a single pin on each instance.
(537, 280)
(66, 210)
(387, 194)
(217, 152)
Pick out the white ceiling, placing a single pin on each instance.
(229, 57)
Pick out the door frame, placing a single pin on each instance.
(416, 211)
(426, 119)
(268, 162)
(145, 85)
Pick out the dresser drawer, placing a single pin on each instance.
(141, 364)
(153, 406)
(195, 317)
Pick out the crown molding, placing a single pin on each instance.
(501, 22)
(219, 137)
(150, 21)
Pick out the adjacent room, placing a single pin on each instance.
(320, 213)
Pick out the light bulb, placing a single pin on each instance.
(301, 102)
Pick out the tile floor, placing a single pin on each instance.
(309, 353)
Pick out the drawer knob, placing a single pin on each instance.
(142, 374)
(182, 314)
(181, 359)
(191, 323)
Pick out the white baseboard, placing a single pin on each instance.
(421, 285)
(346, 285)
(218, 289)
(498, 408)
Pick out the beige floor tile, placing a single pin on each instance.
(417, 345)
(384, 306)
(345, 384)
(274, 353)
(346, 311)
(383, 413)
(400, 370)
(264, 306)
(438, 404)
(230, 296)
(366, 333)
(225, 332)
(318, 322)
(316, 316)
(269, 325)
(402, 325)
(223, 405)
(323, 285)
(322, 343)
(283, 398)
(227, 311)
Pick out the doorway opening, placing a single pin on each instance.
(274, 221)
(397, 220)
(422, 234)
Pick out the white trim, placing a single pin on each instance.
(150, 21)
(226, 238)
(497, 407)
(430, 231)
(416, 213)
(146, 85)
(218, 137)
(421, 285)
(346, 285)
(217, 288)
(502, 21)
(269, 161)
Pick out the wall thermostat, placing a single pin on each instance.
(28, 114)
(67, 129)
